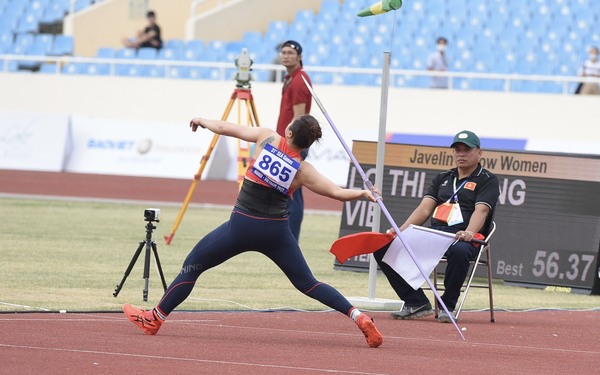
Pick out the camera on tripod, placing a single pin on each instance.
(152, 214)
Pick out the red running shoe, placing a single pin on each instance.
(143, 319)
(366, 325)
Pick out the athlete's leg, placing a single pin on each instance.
(215, 248)
(284, 251)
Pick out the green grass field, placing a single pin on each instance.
(70, 255)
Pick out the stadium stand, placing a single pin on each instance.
(530, 37)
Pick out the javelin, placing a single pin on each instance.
(370, 186)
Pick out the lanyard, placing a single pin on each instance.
(455, 195)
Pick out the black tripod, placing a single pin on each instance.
(149, 244)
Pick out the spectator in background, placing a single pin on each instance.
(438, 62)
(590, 68)
(295, 101)
(149, 37)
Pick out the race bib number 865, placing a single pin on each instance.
(275, 168)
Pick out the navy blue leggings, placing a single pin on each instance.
(244, 232)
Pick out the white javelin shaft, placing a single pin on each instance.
(369, 185)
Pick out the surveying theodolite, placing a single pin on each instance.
(151, 215)
(242, 93)
(244, 65)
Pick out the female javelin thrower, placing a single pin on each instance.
(258, 221)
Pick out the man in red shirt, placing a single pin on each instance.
(295, 101)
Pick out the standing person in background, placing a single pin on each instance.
(438, 62)
(258, 222)
(590, 68)
(149, 37)
(295, 101)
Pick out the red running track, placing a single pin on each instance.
(546, 342)
(135, 188)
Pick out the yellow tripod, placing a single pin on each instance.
(240, 95)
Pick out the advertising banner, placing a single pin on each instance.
(136, 148)
(33, 141)
(548, 214)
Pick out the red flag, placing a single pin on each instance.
(358, 244)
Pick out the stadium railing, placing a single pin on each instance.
(335, 75)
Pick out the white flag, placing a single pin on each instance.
(428, 246)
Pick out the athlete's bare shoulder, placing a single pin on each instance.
(269, 139)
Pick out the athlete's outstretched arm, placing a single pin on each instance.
(316, 182)
(246, 133)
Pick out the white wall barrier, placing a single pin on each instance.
(33, 141)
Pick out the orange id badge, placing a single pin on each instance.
(443, 212)
(448, 213)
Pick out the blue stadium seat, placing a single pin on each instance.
(154, 71)
(464, 84)
(24, 39)
(106, 53)
(63, 5)
(48, 68)
(147, 53)
(37, 6)
(28, 23)
(323, 78)
(52, 15)
(233, 51)
(276, 32)
(344, 79)
(8, 24)
(216, 74)
(195, 72)
(305, 15)
(18, 49)
(12, 66)
(130, 70)
(15, 8)
(313, 59)
(34, 50)
(261, 76)
(46, 41)
(63, 45)
(82, 4)
(300, 27)
(97, 69)
(169, 54)
(6, 40)
(178, 72)
(175, 44)
(329, 11)
(197, 45)
(126, 53)
(191, 54)
(252, 38)
(74, 68)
